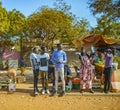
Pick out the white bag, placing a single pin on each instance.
(12, 87)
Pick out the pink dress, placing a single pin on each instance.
(86, 73)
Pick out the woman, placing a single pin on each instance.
(86, 71)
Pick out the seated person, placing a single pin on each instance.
(67, 70)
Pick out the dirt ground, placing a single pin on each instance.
(23, 99)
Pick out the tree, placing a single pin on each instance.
(107, 27)
(108, 12)
(62, 6)
(49, 25)
(111, 8)
(17, 23)
(3, 20)
(11, 24)
(81, 28)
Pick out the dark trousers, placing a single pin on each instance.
(51, 72)
(36, 74)
(107, 80)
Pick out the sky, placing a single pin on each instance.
(27, 7)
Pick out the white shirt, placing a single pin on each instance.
(34, 57)
(43, 59)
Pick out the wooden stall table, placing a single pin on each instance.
(11, 71)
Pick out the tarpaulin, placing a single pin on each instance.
(95, 40)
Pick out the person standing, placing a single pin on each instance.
(22, 66)
(86, 71)
(59, 58)
(43, 59)
(51, 69)
(108, 70)
(35, 67)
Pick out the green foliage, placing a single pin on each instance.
(81, 28)
(49, 25)
(108, 13)
(108, 27)
(11, 24)
(17, 22)
(3, 20)
(60, 5)
(44, 26)
(111, 8)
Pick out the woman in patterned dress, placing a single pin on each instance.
(86, 71)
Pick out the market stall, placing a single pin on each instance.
(96, 40)
(101, 43)
(8, 79)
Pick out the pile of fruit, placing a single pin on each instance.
(99, 67)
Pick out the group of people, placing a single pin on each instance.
(40, 61)
(87, 71)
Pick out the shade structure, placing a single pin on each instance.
(95, 40)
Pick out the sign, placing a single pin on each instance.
(9, 64)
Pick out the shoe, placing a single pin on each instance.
(36, 93)
(91, 91)
(43, 91)
(47, 91)
(81, 91)
(108, 92)
(54, 92)
(104, 91)
(63, 93)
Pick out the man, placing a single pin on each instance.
(51, 69)
(35, 67)
(43, 59)
(108, 70)
(59, 58)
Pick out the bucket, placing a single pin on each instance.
(115, 66)
(12, 87)
(68, 88)
(76, 86)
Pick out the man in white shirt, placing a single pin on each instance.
(43, 59)
(35, 67)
